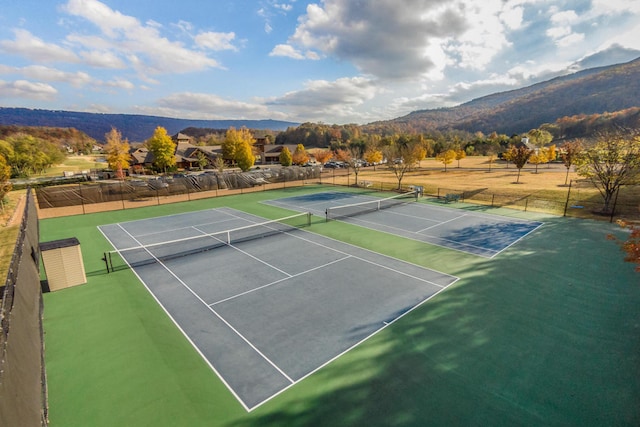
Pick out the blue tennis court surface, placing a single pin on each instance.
(472, 232)
(268, 312)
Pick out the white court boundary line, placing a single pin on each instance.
(357, 219)
(495, 252)
(368, 261)
(195, 294)
(312, 206)
(354, 220)
(347, 256)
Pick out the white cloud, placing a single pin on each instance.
(102, 59)
(118, 83)
(283, 6)
(203, 105)
(291, 52)
(216, 41)
(570, 39)
(321, 99)
(565, 17)
(320, 93)
(512, 16)
(48, 74)
(610, 7)
(407, 39)
(35, 49)
(561, 30)
(126, 37)
(27, 89)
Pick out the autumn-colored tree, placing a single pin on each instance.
(322, 156)
(163, 149)
(402, 159)
(631, 245)
(460, 154)
(491, 156)
(538, 157)
(419, 152)
(446, 157)
(285, 157)
(552, 153)
(508, 155)
(612, 162)
(570, 153)
(373, 157)
(26, 154)
(519, 156)
(342, 155)
(232, 142)
(352, 157)
(5, 175)
(244, 155)
(299, 156)
(203, 160)
(117, 150)
(219, 164)
(539, 137)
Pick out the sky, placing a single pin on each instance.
(331, 61)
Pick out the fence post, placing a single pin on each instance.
(566, 204)
(526, 203)
(615, 203)
(122, 195)
(81, 198)
(493, 196)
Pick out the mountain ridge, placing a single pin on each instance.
(595, 90)
(135, 127)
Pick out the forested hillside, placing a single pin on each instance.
(136, 128)
(63, 138)
(593, 91)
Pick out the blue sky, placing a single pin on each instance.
(331, 61)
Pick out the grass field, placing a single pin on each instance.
(547, 333)
(77, 164)
(9, 228)
(543, 190)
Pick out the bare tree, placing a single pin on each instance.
(611, 162)
(570, 153)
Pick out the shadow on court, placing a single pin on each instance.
(534, 337)
(267, 312)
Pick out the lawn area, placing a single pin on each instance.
(77, 164)
(9, 228)
(546, 333)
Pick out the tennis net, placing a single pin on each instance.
(164, 251)
(370, 206)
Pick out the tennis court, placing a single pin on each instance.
(476, 233)
(269, 308)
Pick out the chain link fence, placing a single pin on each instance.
(99, 196)
(579, 199)
(23, 386)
